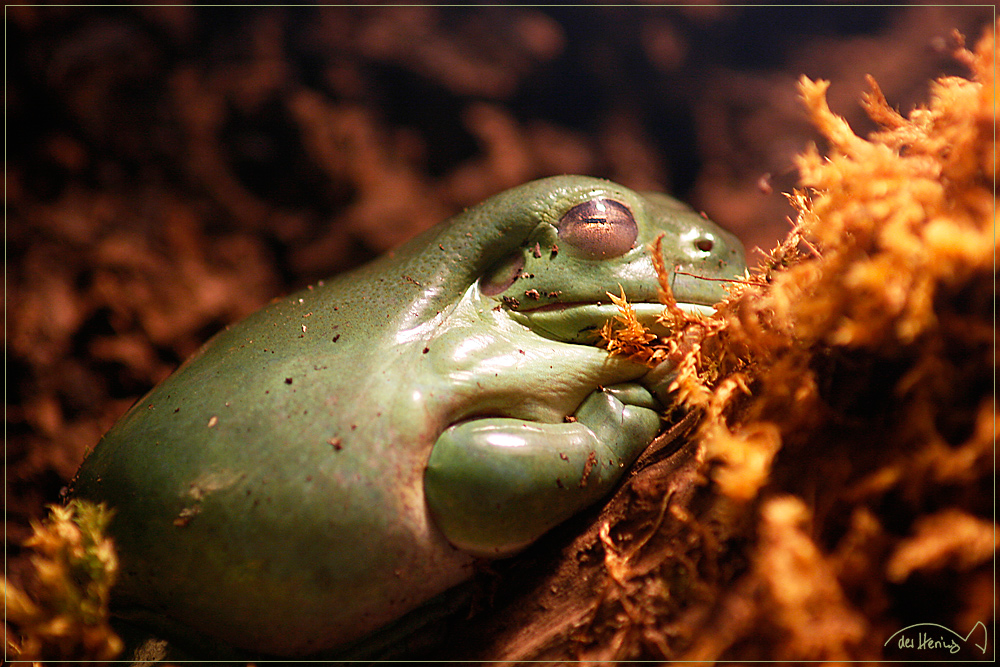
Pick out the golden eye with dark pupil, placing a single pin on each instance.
(599, 228)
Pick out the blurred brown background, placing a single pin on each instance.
(171, 169)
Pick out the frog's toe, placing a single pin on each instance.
(624, 426)
(659, 380)
(633, 393)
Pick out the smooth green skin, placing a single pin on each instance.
(271, 492)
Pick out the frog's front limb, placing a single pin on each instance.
(495, 485)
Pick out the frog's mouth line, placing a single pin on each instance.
(579, 322)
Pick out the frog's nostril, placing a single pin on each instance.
(705, 245)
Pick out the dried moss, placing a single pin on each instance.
(849, 430)
(63, 616)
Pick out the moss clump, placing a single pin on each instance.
(64, 616)
(847, 390)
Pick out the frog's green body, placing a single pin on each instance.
(305, 478)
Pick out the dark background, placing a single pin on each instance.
(171, 169)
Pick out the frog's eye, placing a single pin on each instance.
(599, 228)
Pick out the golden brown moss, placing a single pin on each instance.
(65, 617)
(847, 388)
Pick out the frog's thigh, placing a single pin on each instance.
(495, 485)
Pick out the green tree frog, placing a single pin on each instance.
(344, 455)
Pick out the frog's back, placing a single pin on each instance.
(266, 473)
(259, 476)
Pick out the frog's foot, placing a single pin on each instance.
(495, 485)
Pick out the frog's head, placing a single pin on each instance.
(595, 236)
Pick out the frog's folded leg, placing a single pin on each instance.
(495, 485)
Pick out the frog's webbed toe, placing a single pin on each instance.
(495, 485)
(660, 379)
